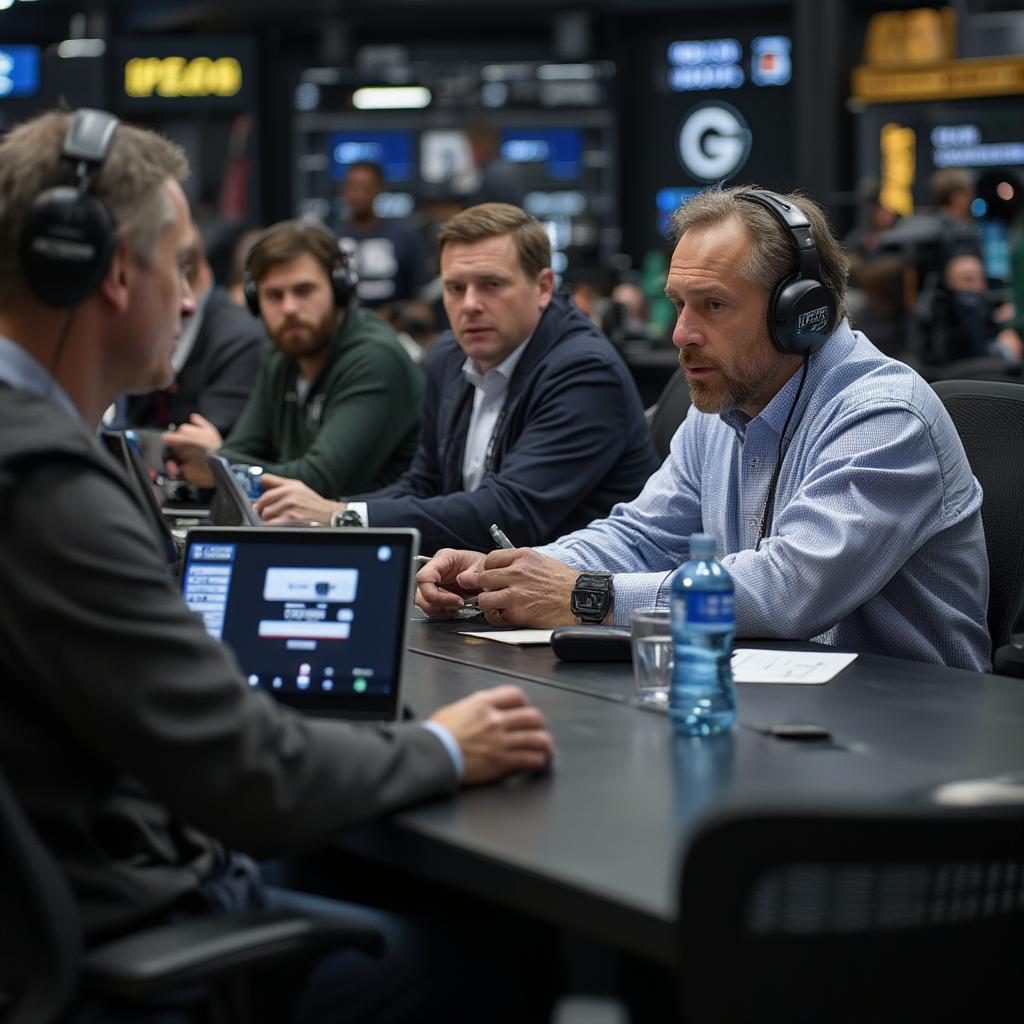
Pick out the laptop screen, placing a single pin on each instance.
(230, 505)
(315, 617)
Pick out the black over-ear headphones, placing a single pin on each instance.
(802, 310)
(69, 236)
(343, 277)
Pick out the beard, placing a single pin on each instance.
(299, 338)
(744, 384)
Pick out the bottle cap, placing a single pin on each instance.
(702, 545)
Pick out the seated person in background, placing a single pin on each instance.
(134, 744)
(881, 313)
(625, 315)
(960, 318)
(834, 481)
(389, 257)
(952, 193)
(338, 404)
(215, 359)
(864, 243)
(531, 420)
(493, 179)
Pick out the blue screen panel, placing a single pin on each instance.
(560, 149)
(392, 150)
(19, 70)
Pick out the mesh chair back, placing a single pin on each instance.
(818, 915)
(989, 417)
(670, 411)
(40, 933)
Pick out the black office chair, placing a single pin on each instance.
(989, 417)
(43, 967)
(669, 411)
(826, 915)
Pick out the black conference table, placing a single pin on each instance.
(594, 846)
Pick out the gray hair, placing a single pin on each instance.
(130, 184)
(773, 252)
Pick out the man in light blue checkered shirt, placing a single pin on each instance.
(871, 537)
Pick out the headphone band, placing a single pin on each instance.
(302, 227)
(795, 221)
(69, 236)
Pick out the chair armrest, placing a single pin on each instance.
(1009, 659)
(203, 950)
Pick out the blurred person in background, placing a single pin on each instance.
(964, 320)
(389, 257)
(493, 179)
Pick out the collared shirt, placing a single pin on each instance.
(23, 372)
(488, 401)
(876, 543)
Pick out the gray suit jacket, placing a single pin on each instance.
(128, 734)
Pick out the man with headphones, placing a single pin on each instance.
(127, 733)
(831, 475)
(338, 404)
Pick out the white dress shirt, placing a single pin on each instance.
(488, 401)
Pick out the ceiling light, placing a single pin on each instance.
(404, 97)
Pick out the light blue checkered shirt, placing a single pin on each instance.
(877, 543)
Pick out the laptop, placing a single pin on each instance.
(230, 505)
(316, 617)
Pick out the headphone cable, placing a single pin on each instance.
(768, 512)
(61, 342)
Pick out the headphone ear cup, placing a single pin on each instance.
(801, 315)
(343, 283)
(66, 246)
(252, 296)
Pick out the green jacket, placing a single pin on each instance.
(357, 429)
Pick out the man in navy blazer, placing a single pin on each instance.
(531, 419)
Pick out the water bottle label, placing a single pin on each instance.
(709, 608)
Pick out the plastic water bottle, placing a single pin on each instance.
(702, 699)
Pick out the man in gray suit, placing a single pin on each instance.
(130, 737)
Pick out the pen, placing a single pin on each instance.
(499, 537)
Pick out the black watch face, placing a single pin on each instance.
(590, 601)
(591, 597)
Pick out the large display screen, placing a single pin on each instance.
(558, 150)
(393, 151)
(19, 71)
(716, 100)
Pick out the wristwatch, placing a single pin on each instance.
(591, 598)
(348, 517)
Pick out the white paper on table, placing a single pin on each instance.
(523, 637)
(750, 665)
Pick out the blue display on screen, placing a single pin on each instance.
(561, 149)
(391, 150)
(19, 70)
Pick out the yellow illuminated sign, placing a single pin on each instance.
(920, 36)
(899, 167)
(173, 77)
(950, 80)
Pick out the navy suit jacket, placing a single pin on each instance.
(571, 442)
